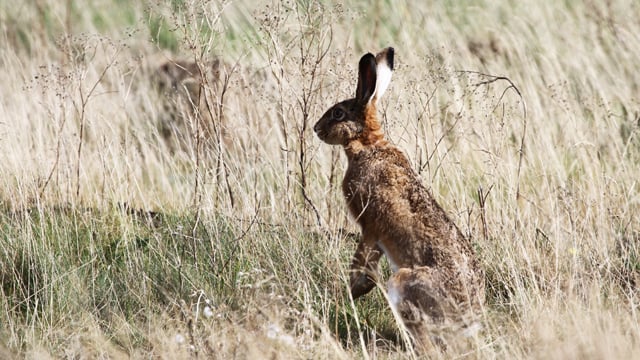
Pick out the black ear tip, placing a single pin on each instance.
(368, 63)
(390, 54)
(367, 58)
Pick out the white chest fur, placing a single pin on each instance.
(392, 263)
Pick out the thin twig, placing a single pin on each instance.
(492, 79)
(482, 199)
(58, 146)
(84, 101)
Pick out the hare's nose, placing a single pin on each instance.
(316, 127)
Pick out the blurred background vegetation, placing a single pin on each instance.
(162, 193)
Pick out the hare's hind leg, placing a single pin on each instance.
(414, 296)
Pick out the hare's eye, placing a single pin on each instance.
(338, 114)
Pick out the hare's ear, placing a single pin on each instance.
(366, 78)
(384, 60)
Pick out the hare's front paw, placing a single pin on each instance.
(361, 283)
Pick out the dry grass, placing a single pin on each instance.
(116, 245)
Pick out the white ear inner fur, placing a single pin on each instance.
(383, 78)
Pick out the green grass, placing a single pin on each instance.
(62, 264)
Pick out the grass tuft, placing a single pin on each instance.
(162, 193)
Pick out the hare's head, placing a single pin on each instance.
(355, 119)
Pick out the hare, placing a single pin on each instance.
(180, 87)
(436, 277)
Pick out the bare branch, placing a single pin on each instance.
(490, 80)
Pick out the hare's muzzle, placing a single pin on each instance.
(317, 129)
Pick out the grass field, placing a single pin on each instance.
(207, 221)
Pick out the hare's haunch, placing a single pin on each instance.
(437, 279)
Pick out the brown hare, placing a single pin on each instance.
(437, 280)
(181, 89)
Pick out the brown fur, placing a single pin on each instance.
(437, 278)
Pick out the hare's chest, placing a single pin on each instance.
(356, 197)
(360, 191)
